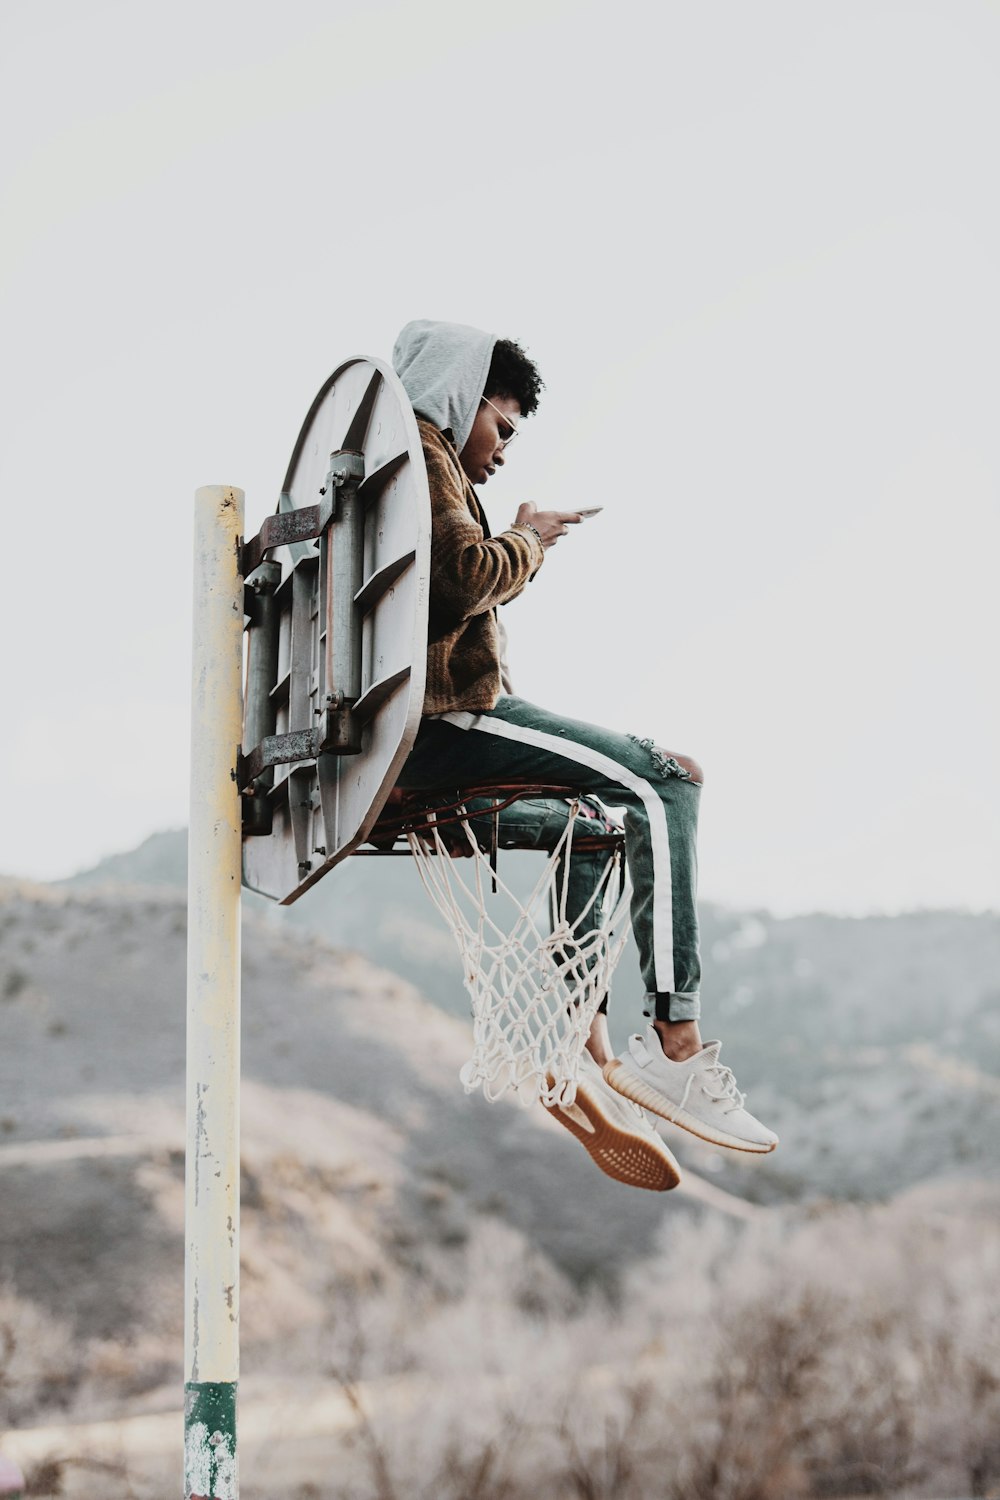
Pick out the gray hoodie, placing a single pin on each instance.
(443, 367)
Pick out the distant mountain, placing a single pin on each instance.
(871, 1044)
(159, 860)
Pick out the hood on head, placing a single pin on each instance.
(443, 367)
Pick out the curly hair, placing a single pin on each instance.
(512, 373)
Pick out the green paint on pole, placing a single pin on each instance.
(210, 1441)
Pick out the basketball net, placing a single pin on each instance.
(535, 986)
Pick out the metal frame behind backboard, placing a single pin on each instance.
(336, 602)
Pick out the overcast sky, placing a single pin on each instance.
(753, 248)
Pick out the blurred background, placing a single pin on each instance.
(752, 249)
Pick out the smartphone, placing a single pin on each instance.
(595, 510)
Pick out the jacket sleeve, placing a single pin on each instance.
(470, 572)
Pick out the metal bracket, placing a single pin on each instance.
(276, 750)
(339, 731)
(342, 565)
(260, 587)
(283, 530)
(308, 522)
(346, 466)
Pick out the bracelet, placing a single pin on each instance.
(527, 526)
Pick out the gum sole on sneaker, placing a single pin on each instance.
(627, 1158)
(624, 1082)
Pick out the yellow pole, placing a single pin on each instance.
(212, 1251)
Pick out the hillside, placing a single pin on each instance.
(871, 1044)
(435, 1286)
(366, 1169)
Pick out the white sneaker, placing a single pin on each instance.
(616, 1134)
(699, 1094)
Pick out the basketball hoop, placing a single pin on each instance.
(535, 986)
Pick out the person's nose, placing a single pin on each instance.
(498, 457)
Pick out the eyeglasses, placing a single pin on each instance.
(504, 441)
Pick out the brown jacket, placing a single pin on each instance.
(471, 573)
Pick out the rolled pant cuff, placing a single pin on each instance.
(673, 1007)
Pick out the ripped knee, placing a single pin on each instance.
(684, 767)
(691, 766)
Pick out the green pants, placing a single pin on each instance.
(516, 741)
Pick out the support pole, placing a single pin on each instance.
(212, 1178)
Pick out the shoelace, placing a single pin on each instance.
(727, 1083)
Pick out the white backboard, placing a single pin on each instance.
(367, 575)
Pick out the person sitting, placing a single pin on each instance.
(469, 391)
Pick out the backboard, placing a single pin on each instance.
(336, 601)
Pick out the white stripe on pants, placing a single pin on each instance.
(656, 817)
